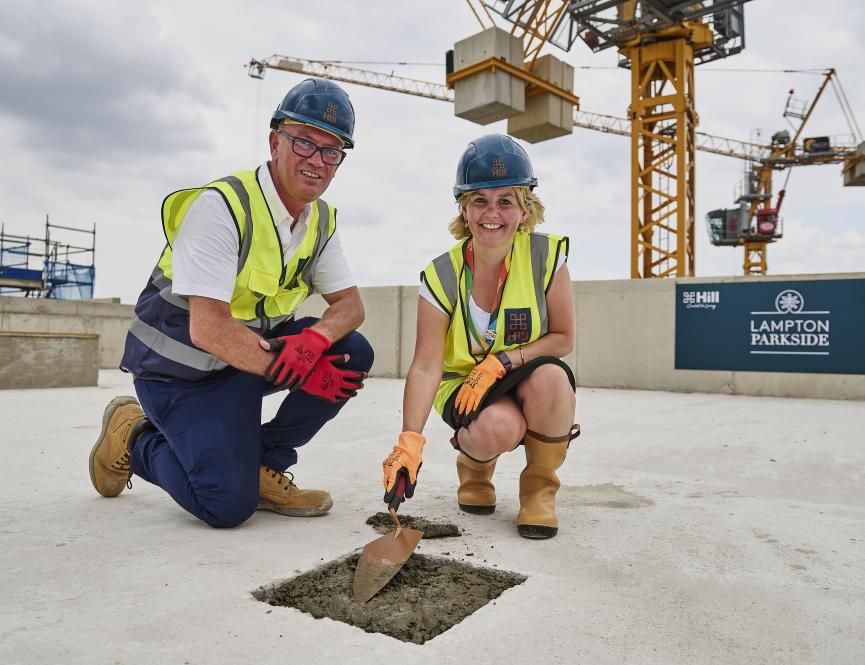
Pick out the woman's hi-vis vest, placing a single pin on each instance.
(268, 290)
(523, 311)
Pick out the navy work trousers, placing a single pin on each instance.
(209, 439)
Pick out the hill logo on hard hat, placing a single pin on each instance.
(499, 170)
(330, 112)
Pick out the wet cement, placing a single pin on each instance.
(601, 496)
(424, 599)
(382, 524)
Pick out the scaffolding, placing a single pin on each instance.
(47, 267)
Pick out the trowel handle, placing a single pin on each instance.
(399, 494)
(396, 525)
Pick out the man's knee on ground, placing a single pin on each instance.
(359, 350)
(229, 504)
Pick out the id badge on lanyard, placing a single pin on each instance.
(489, 335)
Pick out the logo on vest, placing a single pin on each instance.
(499, 170)
(518, 325)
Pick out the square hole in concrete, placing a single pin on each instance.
(424, 599)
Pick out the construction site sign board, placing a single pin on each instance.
(772, 326)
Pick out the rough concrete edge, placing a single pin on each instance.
(263, 589)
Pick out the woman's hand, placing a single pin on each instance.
(403, 463)
(475, 389)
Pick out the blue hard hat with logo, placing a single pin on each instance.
(320, 103)
(494, 160)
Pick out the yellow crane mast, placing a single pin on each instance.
(661, 41)
(662, 120)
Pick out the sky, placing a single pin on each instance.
(106, 107)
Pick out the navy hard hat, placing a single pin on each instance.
(494, 160)
(320, 103)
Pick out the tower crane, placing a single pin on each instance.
(661, 41)
(600, 122)
(724, 226)
(756, 222)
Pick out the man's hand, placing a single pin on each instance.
(401, 468)
(474, 390)
(332, 383)
(295, 358)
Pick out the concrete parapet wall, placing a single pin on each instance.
(48, 360)
(382, 326)
(625, 337)
(109, 320)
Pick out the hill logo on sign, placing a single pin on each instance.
(701, 299)
(790, 329)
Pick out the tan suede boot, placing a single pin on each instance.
(109, 458)
(476, 493)
(278, 494)
(539, 484)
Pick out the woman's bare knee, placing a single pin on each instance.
(494, 432)
(543, 380)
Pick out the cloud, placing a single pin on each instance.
(807, 248)
(91, 79)
(108, 106)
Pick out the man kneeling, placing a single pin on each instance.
(214, 330)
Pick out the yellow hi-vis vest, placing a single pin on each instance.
(268, 285)
(522, 316)
(268, 289)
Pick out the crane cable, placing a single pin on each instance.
(377, 62)
(840, 94)
(846, 108)
(816, 72)
(440, 64)
(787, 179)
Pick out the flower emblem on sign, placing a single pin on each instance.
(789, 302)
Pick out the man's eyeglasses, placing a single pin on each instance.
(304, 148)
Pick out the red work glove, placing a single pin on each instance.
(296, 356)
(401, 468)
(474, 390)
(333, 383)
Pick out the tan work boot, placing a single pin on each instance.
(278, 493)
(109, 459)
(476, 493)
(539, 484)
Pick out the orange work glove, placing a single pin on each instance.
(401, 468)
(475, 389)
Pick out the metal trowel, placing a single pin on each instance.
(381, 559)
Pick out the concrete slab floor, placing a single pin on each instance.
(693, 529)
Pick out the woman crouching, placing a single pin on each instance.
(495, 316)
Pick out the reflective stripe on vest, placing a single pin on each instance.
(267, 291)
(522, 316)
(170, 348)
